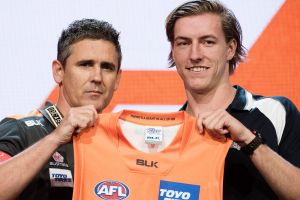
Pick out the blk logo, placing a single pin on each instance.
(147, 163)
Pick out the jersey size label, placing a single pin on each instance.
(178, 191)
(153, 135)
(60, 177)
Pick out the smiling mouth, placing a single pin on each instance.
(197, 68)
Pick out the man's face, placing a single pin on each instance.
(201, 53)
(91, 75)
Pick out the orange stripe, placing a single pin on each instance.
(144, 87)
(149, 87)
(30, 114)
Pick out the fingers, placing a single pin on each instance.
(82, 117)
(77, 119)
(219, 123)
(214, 123)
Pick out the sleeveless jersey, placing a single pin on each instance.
(108, 166)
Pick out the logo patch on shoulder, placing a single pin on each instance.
(35, 122)
(57, 157)
(58, 160)
(111, 190)
(178, 191)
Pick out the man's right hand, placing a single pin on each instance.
(77, 119)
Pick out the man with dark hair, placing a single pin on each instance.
(206, 46)
(37, 158)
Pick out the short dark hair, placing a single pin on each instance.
(86, 29)
(230, 25)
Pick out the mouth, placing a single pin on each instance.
(197, 68)
(97, 92)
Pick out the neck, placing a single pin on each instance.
(62, 104)
(219, 98)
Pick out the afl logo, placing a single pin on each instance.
(111, 190)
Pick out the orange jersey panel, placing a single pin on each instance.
(108, 166)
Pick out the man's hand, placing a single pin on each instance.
(220, 122)
(77, 119)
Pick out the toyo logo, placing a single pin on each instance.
(178, 191)
(111, 190)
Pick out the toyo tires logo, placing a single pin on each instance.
(111, 190)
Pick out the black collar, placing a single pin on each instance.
(239, 102)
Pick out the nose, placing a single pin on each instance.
(97, 75)
(196, 53)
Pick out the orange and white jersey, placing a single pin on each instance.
(138, 155)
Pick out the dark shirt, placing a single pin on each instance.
(16, 134)
(278, 121)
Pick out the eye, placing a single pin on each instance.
(208, 43)
(182, 43)
(108, 66)
(86, 64)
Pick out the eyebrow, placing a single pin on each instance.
(208, 36)
(201, 38)
(181, 38)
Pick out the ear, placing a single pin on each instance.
(118, 79)
(231, 49)
(58, 72)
